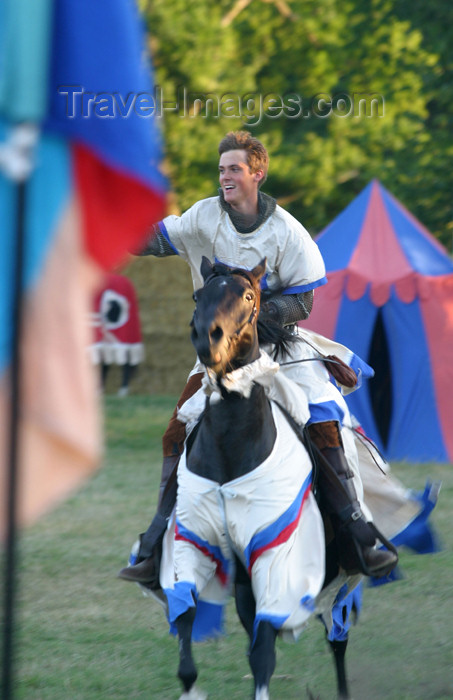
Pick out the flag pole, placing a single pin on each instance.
(13, 452)
(17, 166)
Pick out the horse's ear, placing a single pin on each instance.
(206, 267)
(260, 269)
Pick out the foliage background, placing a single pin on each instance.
(400, 50)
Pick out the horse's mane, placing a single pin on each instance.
(281, 338)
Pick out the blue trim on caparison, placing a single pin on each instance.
(180, 598)
(209, 622)
(299, 289)
(164, 232)
(324, 411)
(419, 534)
(341, 612)
(213, 550)
(308, 602)
(360, 367)
(272, 531)
(277, 621)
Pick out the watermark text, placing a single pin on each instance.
(250, 107)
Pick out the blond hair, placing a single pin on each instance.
(257, 155)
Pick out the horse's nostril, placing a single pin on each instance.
(216, 334)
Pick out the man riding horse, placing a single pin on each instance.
(238, 228)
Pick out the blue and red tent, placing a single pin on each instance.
(390, 299)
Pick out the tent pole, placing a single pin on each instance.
(11, 494)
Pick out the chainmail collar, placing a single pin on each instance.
(266, 207)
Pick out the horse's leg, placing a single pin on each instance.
(245, 606)
(262, 650)
(262, 658)
(187, 671)
(244, 598)
(339, 651)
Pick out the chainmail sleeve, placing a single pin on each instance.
(157, 245)
(289, 308)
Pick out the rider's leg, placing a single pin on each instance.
(355, 536)
(173, 446)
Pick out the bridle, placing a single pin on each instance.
(225, 272)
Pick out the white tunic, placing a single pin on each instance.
(294, 262)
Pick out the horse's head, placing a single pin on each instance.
(224, 322)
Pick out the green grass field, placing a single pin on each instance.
(82, 634)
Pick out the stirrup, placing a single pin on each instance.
(347, 558)
(387, 544)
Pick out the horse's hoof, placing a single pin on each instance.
(194, 694)
(262, 694)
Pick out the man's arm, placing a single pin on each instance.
(288, 308)
(157, 245)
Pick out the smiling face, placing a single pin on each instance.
(239, 185)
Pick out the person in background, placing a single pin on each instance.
(118, 336)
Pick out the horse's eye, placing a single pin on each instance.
(249, 296)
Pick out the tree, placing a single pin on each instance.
(268, 65)
(241, 51)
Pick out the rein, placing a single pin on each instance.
(321, 358)
(306, 359)
(249, 320)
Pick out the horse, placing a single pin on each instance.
(229, 449)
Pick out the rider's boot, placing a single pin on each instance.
(147, 568)
(149, 554)
(356, 538)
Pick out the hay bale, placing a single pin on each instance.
(164, 291)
